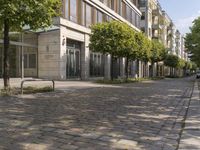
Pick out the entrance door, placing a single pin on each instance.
(73, 63)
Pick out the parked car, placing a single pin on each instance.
(198, 74)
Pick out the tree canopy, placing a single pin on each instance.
(158, 51)
(144, 47)
(36, 14)
(192, 42)
(15, 14)
(171, 61)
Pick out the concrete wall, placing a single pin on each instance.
(49, 55)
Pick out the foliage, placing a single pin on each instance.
(36, 14)
(16, 14)
(194, 66)
(144, 47)
(171, 61)
(192, 41)
(181, 63)
(115, 38)
(188, 65)
(158, 51)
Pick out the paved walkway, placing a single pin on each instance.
(139, 116)
(59, 85)
(190, 139)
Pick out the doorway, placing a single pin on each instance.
(73, 63)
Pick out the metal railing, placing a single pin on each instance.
(33, 80)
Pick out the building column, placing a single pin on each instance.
(107, 67)
(122, 67)
(85, 58)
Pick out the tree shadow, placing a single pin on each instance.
(133, 116)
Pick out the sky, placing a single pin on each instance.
(182, 12)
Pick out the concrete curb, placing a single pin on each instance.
(190, 139)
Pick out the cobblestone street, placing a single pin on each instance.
(138, 116)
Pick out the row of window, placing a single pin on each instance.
(84, 14)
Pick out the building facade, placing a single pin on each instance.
(62, 52)
(156, 24)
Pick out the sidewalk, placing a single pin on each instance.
(59, 85)
(190, 139)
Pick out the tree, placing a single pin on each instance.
(14, 15)
(158, 52)
(171, 61)
(144, 47)
(130, 49)
(181, 63)
(192, 42)
(114, 38)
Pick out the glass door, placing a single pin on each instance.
(73, 63)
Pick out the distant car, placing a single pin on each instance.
(198, 74)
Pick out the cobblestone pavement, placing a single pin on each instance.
(138, 116)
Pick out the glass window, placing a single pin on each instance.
(119, 7)
(32, 60)
(67, 9)
(73, 10)
(128, 13)
(133, 18)
(88, 16)
(83, 12)
(143, 16)
(96, 65)
(25, 61)
(99, 17)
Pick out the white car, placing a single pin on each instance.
(198, 74)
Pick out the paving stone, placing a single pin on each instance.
(138, 116)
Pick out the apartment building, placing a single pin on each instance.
(156, 24)
(62, 52)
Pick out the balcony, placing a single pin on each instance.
(142, 3)
(157, 26)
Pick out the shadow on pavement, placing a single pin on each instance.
(134, 116)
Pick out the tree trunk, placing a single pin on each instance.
(6, 61)
(127, 69)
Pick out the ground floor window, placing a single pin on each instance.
(29, 60)
(96, 65)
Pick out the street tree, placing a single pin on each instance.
(16, 14)
(144, 47)
(172, 62)
(158, 52)
(114, 38)
(192, 41)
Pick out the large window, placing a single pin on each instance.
(133, 18)
(128, 13)
(88, 15)
(30, 61)
(99, 17)
(119, 7)
(67, 9)
(96, 65)
(73, 10)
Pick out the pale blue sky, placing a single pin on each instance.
(182, 12)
